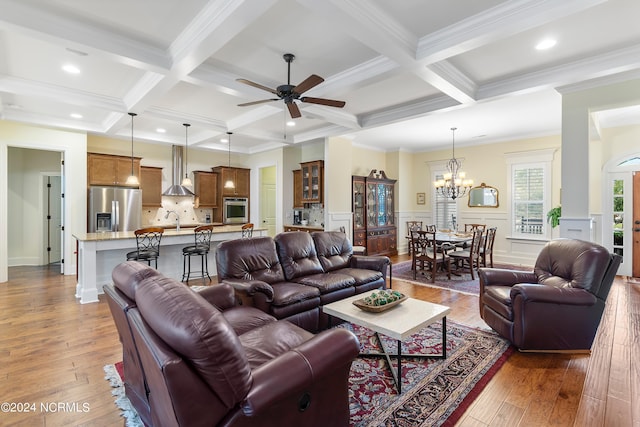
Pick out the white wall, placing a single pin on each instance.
(73, 147)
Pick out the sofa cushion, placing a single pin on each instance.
(326, 282)
(360, 275)
(249, 259)
(297, 254)
(286, 293)
(199, 332)
(333, 248)
(271, 340)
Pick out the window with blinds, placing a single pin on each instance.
(446, 210)
(528, 191)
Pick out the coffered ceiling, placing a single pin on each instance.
(408, 70)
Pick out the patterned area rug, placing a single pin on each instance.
(460, 282)
(435, 392)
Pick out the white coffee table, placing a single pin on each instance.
(399, 322)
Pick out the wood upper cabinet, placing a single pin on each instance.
(312, 181)
(105, 169)
(239, 176)
(151, 186)
(205, 185)
(297, 189)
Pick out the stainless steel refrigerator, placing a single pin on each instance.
(114, 209)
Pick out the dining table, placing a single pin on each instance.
(453, 237)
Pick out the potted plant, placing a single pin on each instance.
(553, 216)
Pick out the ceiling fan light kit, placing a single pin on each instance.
(290, 93)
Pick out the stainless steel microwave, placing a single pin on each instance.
(235, 210)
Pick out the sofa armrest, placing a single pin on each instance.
(312, 361)
(222, 295)
(247, 288)
(370, 262)
(550, 294)
(504, 277)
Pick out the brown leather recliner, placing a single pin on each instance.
(200, 372)
(121, 296)
(558, 306)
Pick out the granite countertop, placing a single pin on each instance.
(314, 227)
(169, 232)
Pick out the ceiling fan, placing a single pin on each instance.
(290, 93)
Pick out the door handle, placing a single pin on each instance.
(636, 229)
(637, 221)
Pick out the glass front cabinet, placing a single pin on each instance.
(312, 179)
(373, 213)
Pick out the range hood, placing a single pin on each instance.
(176, 174)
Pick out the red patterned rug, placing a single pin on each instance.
(435, 392)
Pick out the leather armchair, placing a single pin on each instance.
(200, 372)
(557, 306)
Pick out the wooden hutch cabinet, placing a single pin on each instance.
(312, 180)
(373, 213)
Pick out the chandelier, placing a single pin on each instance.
(453, 184)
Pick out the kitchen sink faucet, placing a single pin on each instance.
(177, 218)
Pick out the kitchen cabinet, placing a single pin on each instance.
(106, 169)
(373, 213)
(151, 186)
(240, 177)
(205, 185)
(312, 181)
(297, 189)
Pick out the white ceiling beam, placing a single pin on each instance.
(502, 21)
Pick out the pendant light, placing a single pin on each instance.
(132, 179)
(186, 181)
(229, 183)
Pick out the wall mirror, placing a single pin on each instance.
(483, 196)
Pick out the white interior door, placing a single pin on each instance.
(54, 219)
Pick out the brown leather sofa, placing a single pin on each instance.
(556, 307)
(204, 361)
(293, 274)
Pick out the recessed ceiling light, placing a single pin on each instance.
(76, 115)
(161, 130)
(546, 44)
(71, 69)
(291, 123)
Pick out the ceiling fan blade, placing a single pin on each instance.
(322, 101)
(258, 85)
(293, 110)
(311, 82)
(246, 104)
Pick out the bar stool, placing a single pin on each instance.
(148, 245)
(201, 248)
(247, 230)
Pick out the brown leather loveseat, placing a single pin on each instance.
(558, 306)
(204, 361)
(293, 274)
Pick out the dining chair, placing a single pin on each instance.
(411, 227)
(469, 256)
(425, 251)
(202, 236)
(486, 249)
(148, 245)
(247, 230)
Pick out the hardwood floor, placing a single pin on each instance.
(53, 349)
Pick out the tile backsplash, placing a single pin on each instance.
(182, 206)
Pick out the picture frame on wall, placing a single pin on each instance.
(420, 198)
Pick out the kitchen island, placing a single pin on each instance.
(99, 253)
